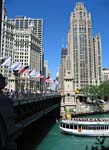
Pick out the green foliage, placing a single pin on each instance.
(91, 91)
(104, 89)
(96, 92)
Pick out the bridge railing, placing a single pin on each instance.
(31, 95)
(28, 98)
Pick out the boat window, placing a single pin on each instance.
(75, 126)
(67, 126)
(71, 126)
(79, 127)
(94, 128)
(63, 125)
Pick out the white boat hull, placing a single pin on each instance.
(86, 132)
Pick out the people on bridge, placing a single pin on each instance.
(2, 83)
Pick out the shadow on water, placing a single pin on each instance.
(35, 133)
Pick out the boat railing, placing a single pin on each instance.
(91, 119)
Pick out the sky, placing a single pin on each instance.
(56, 18)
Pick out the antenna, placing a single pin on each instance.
(62, 42)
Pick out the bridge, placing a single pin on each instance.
(22, 111)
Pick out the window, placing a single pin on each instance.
(68, 94)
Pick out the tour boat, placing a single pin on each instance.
(85, 126)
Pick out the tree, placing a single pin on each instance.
(91, 91)
(96, 93)
(104, 89)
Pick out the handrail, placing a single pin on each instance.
(28, 98)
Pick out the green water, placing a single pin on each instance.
(55, 140)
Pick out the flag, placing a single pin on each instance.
(18, 67)
(3, 59)
(57, 74)
(23, 68)
(57, 82)
(7, 62)
(15, 65)
(33, 73)
(51, 81)
(39, 76)
(27, 72)
(47, 79)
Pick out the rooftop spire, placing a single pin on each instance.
(62, 42)
(79, 6)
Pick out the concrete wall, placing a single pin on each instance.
(73, 104)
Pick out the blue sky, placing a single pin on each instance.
(56, 16)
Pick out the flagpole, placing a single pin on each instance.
(15, 72)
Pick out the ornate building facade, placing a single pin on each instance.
(82, 63)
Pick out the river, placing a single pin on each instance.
(46, 135)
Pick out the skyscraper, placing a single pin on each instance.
(27, 48)
(81, 62)
(7, 41)
(1, 9)
(83, 50)
(62, 67)
(22, 23)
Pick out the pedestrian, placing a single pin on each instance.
(2, 83)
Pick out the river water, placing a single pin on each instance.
(56, 140)
(46, 135)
